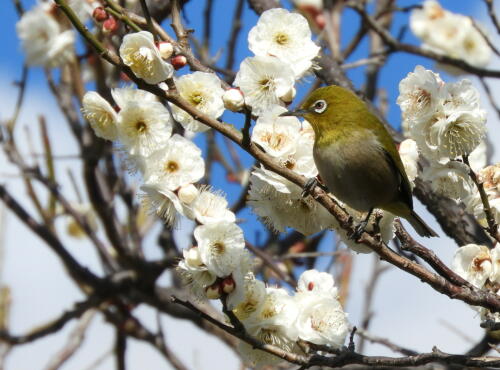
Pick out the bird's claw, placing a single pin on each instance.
(359, 230)
(310, 185)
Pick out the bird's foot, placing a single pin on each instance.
(310, 185)
(359, 230)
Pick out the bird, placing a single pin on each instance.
(356, 156)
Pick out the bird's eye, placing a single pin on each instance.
(319, 106)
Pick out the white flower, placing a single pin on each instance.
(302, 160)
(461, 96)
(240, 277)
(194, 273)
(255, 291)
(43, 39)
(83, 8)
(321, 319)
(100, 115)
(129, 95)
(286, 36)
(203, 91)
(408, 151)
(144, 127)
(479, 156)
(451, 179)
(277, 135)
(453, 134)
(178, 163)
(473, 263)
(495, 261)
(420, 92)
(233, 100)
(474, 49)
(221, 246)
(451, 34)
(490, 177)
(317, 282)
(139, 52)
(162, 202)
(280, 210)
(211, 207)
(188, 193)
(263, 81)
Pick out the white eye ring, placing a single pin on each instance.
(319, 106)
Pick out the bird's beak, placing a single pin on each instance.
(296, 113)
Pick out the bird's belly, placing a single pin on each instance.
(357, 174)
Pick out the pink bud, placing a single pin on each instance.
(99, 14)
(178, 61)
(228, 285)
(110, 25)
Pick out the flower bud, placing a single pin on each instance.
(193, 257)
(178, 61)
(99, 14)
(213, 291)
(188, 193)
(233, 99)
(320, 21)
(110, 25)
(228, 285)
(166, 49)
(289, 95)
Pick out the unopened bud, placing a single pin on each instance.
(228, 285)
(320, 21)
(110, 25)
(99, 14)
(213, 291)
(233, 99)
(178, 61)
(192, 257)
(166, 49)
(188, 193)
(289, 95)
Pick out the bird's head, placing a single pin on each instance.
(326, 106)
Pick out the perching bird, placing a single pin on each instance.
(356, 156)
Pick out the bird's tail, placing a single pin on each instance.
(420, 226)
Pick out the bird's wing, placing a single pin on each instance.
(404, 183)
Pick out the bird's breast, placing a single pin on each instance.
(357, 172)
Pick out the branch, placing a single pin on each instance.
(52, 326)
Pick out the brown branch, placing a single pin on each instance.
(345, 356)
(493, 16)
(54, 325)
(490, 218)
(260, 6)
(73, 343)
(411, 245)
(75, 270)
(235, 32)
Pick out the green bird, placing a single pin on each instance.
(356, 156)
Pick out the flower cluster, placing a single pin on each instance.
(45, 41)
(272, 315)
(446, 122)
(284, 51)
(480, 266)
(450, 34)
(170, 165)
